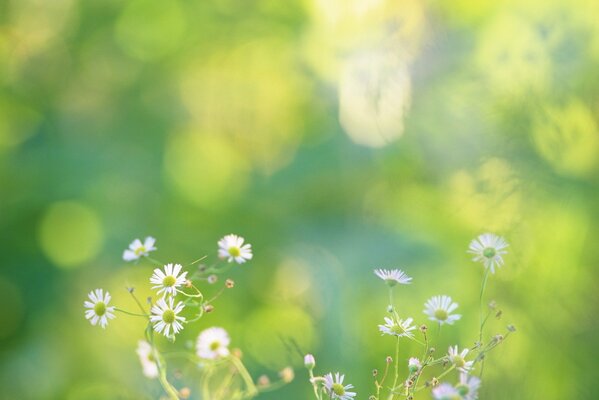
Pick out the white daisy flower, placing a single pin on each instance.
(439, 308)
(137, 249)
(165, 316)
(231, 247)
(336, 389)
(393, 277)
(414, 364)
(213, 343)
(446, 392)
(468, 386)
(98, 309)
(459, 359)
(400, 328)
(146, 357)
(169, 280)
(488, 249)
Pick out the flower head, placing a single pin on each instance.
(459, 359)
(169, 280)
(488, 249)
(446, 392)
(399, 328)
(393, 277)
(146, 357)
(137, 249)
(231, 248)
(165, 316)
(439, 308)
(336, 389)
(414, 365)
(468, 386)
(98, 309)
(213, 343)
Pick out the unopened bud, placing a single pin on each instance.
(511, 328)
(389, 360)
(389, 308)
(375, 372)
(185, 392)
(287, 374)
(423, 328)
(212, 279)
(263, 380)
(309, 361)
(434, 382)
(188, 283)
(208, 308)
(229, 283)
(492, 304)
(130, 289)
(498, 314)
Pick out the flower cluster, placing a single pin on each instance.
(178, 303)
(489, 250)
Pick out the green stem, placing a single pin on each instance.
(245, 375)
(130, 313)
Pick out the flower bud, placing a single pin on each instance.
(212, 279)
(309, 361)
(287, 374)
(208, 308)
(389, 360)
(263, 380)
(229, 283)
(511, 328)
(185, 393)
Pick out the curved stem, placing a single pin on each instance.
(130, 313)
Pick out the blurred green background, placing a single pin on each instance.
(334, 135)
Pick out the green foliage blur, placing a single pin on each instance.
(336, 136)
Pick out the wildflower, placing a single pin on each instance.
(165, 316)
(458, 359)
(336, 389)
(169, 280)
(414, 364)
(399, 328)
(439, 308)
(393, 277)
(213, 343)
(446, 392)
(146, 357)
(488, 249)
(98, 309)
(468, 386)
(309, 361)
(137, 249)
(231, 247)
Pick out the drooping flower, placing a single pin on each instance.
(98, 309)
(488, 249)
(459, 359)
(393, 277)
(446, 392)
(213, 343)
(137, 249)
(398, 328)
(468, 386)
(169, 280)
(336, 389)
(165, 316)
(147, 360)
(439, 308)
(231, 248)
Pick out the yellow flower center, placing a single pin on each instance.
(234, 251)
(441, 314)
(100, 308)
(169, 281)
(168, 316)
(338, 389)
(140, 250)
(459, 361)
(489, 252)
(214, 346)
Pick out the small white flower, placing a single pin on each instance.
(459, 359)
(213, 343)
(446, 392)
(165, 316)
(98, 309)
(137, 249)
(336, 389)
(414, 365)
(393, 277)
(439, 308)
(468, 386)
(146, 357)
(399, 328)
(488, 249)
(169, 280)
(231, 247)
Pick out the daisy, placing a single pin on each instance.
(137, 249)
(439, 308)
(98, 309)
(232, 248)
(414, 364)
(165, 316)
(213, 343)
(169, 280)
(468, 386)
(146, 357)
(336, 389)
(488, 249)
(400, 328)
(459, 359)
(446, 392)
(393, 277)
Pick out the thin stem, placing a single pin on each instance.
(141, 307)
(130, 313)
(482, 321)
(314, 385)
(154, 261)
(249, 382)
